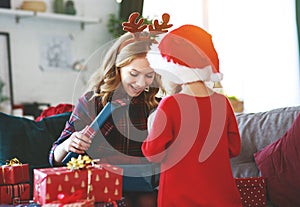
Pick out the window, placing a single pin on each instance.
(256, 42)
(189, 12)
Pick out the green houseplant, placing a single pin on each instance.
(114, 25)
(2, 96)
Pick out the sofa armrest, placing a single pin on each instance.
(257, 131)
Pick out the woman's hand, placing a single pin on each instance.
(77, 143)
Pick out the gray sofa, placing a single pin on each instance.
(258, 130)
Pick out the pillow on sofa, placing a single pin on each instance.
(52, 110)
(27, 140)
(279, 162)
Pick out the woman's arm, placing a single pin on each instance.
(77, 143)
(71, 139)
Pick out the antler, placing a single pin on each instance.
(161, 28)
(136, 27)
(133, 26)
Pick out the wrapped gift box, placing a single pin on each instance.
(28, 204)
(118, 203)
(101, 182)
(14, 174)
(80, 203)
(252, 191)
(14, 194)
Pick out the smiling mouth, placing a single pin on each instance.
(136, 90)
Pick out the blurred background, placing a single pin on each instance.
(49, 48)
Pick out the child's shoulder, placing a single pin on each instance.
(171, 99)
(167, 99)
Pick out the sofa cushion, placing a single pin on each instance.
(257, 131)
(27, 140)
(279, 162)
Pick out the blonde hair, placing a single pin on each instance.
(107, 78)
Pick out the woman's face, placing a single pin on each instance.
(136, 76)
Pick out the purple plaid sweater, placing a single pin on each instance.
(120, 138)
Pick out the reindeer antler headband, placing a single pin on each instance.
(136, 28)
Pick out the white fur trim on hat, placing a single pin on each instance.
(216, 77)
(180, 74)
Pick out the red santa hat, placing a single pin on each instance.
(186, 54)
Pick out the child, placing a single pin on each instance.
(194, 132)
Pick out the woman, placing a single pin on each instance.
(125, 75)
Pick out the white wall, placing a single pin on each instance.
(30, 83)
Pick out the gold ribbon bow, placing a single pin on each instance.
(82, 162)
(13, 161)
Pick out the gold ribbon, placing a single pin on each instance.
(89, 184)
(83, 162)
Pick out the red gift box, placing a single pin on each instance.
(14, 194)
(252, 191)
(14, 174)
(101, 182)
(80, 203)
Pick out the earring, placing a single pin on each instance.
(146, 89)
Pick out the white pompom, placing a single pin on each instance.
(216, 77)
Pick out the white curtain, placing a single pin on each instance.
(258, 50)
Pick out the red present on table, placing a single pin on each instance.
(14, 194)
(252, 191)
(14, 174)
(80, 203)
(100, 182)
